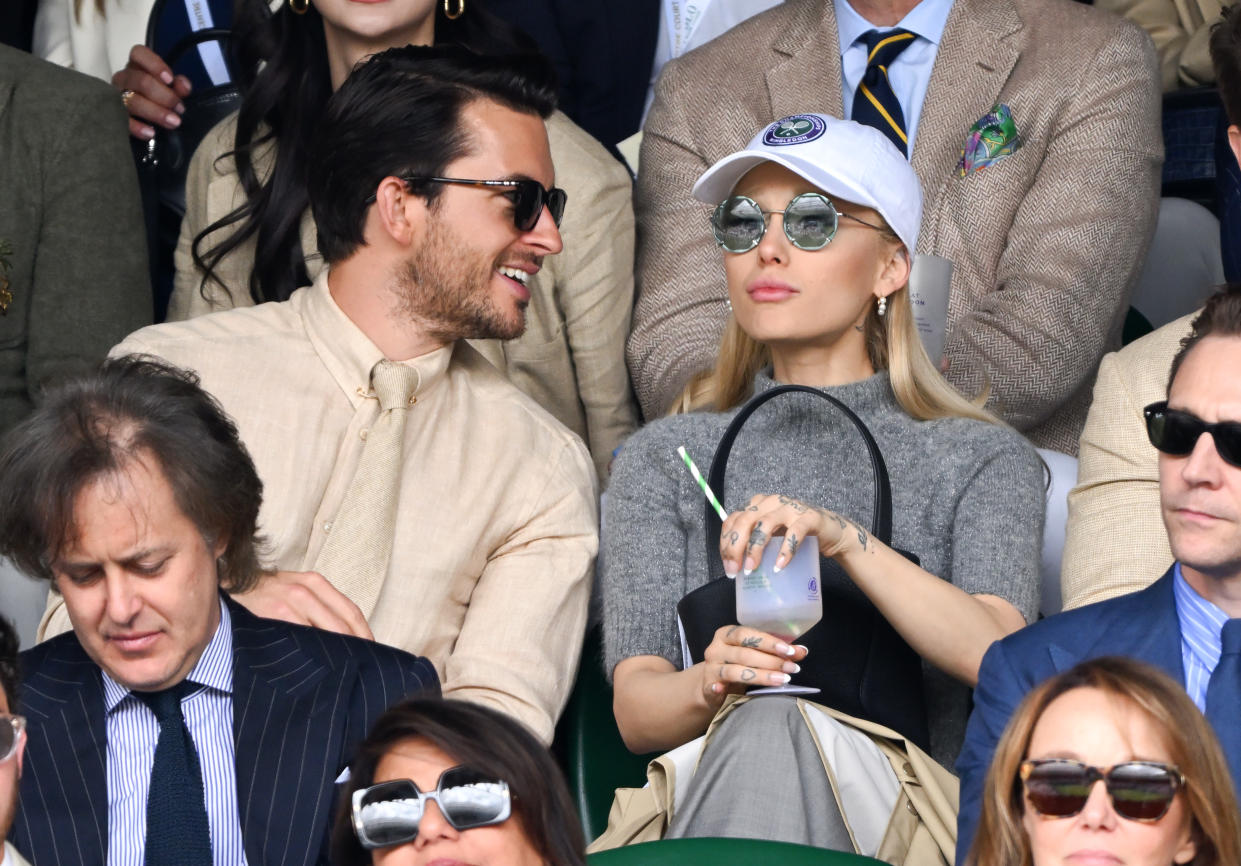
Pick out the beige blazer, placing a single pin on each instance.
(570, 358)
(1181, 31)
(1045, 243)
(1115, 541)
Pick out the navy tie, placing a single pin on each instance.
(177, 830)
(1224, 697)
(875, 104)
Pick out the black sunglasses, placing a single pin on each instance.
(1175, 432)
(390, 813)
(810, 222)
(528, 197)
(1139, 790)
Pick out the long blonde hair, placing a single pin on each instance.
(892, 344)
(1212, 804)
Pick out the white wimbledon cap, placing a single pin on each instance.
(847, 160)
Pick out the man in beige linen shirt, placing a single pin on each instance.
(495, 515)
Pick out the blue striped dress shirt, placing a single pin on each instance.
(910, 74)
(132, 733)
(1201, 623)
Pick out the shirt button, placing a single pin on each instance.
(362, 434)
(327, 527)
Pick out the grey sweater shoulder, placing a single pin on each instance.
(967, 498)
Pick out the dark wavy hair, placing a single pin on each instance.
(96, 426)
(487, 741)
(286, 84)
(399, 114)
(1220, 317)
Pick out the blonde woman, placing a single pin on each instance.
(1166, 795)
(817, 219)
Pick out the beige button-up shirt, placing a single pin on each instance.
(497, 513)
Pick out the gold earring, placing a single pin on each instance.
(453, 16)
(299, 6)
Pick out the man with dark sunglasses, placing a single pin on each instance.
(12, 741)
(412, 493)
(1188, 623)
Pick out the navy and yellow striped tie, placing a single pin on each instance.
(875, 104)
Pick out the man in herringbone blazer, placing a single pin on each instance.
(170, 720)
(1045, 242)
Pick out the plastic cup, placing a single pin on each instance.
(783, 604)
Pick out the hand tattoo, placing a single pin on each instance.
(747, 675)
(752, 642)
(757, 538)
(729, 633)
(861, 537)
(793, 541)
(793, 504)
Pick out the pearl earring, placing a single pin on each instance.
(883, 306)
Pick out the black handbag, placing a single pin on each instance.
(860, 663)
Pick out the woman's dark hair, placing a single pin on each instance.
(487, 741)
(399, 114)
(97, 426)
(285, 81)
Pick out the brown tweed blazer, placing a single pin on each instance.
(1045, 243)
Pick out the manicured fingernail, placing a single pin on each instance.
(776, 570)
(778, 679)
(784, 649)
(166, 77)
(730, 568)
(791, 668)
(716, 688)
(801, 647)
(172, 121)
(179, 108)
(146, 132)
(750, 564)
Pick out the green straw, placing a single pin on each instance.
(702, 482)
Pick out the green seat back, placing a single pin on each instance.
(724, 852)
(589, 746)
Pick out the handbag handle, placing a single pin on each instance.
(881, 515)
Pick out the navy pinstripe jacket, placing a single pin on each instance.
(302, 700)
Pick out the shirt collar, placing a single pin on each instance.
(927, 20)
(347, 352)
(214, 669)
(1201, 621)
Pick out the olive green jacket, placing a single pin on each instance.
(74, 277)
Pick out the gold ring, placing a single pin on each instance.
(126, 95)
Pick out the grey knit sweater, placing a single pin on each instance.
(967, 498)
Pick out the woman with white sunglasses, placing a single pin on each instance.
(445, 781)
(818, 219)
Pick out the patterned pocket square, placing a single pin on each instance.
(991, 139)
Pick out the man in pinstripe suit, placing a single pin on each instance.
(170, 706)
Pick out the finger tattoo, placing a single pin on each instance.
(792, 542)
(752, 642)
(747, 675)
(757, 537)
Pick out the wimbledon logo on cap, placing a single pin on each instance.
(797, 129)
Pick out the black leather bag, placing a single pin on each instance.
(861, 665)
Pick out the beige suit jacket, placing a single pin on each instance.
(571, 358)
(1046, 243)
(1181, 31)
(1115, 542)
